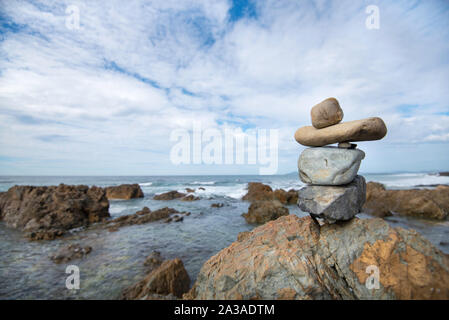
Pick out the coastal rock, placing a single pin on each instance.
(140, 217)
(170, 278)
(70, 252)
(425, 203)
(50, 234)
(293, 258)
(329, 165)
(259, 192)
(171, 195)
(333, 203)
(46, 212)
(217, 205)
(190, 190)
(358, 130)
(154, 260)
(190, 197)
(326, 113)
(263, 211)
(124, 191)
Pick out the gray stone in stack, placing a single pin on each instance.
(333, 203)
(329, 165)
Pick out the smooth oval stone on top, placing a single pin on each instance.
(358, 130)
(329, 165)
(326, 113)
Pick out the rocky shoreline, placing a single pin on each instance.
(47, 213)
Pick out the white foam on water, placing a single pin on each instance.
(145, 184)
(408, 180)
(207, 183)
(236, 191)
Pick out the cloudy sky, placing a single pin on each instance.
(103, 99)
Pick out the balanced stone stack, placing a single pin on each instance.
(335, 192)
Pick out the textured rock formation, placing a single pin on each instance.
(170, 195)
(154, 260)
(170, 278)
(293, 258)
(258, 192)
(70, 252)
(47, 212)
(190, 197)
(124, 191)
(333, 203)
(425, 203)
(326, 113)
(263, 211)
(140, 217)
(329, 165)
(358, 130)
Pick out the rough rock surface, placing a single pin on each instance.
(140, 217)
(170, 195)
(358, 130)
(190, 197)
(70, 252)
(333, 203)
(425, 203)
(170, 278)
(124, 191)
(47, 212)
(263, 211)
(154, 260)
(293, 258)
(258, 192)
(329, 165)
(326, 113)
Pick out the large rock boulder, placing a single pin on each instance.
(259, 192)
(170, 278)
(293, 258)
(124, 191)
(329, 165)
(358, 130)
(333, 203)
(263, 211)
(53, 209)
(425, 203)
(326, 113)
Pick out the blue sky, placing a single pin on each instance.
(104, 99)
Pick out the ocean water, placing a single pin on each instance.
(116, 262)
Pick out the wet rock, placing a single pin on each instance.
(333, 203)
(326, 113)
(70, 252)
(217, 205)
(263, 211)
(190, 197)
(258, 192)
(140, 217)
(178, 218)
(154, 260)
(201, 188)
(48, 211)
(358, 130)
(329, 165)
(124, 191)
(171, 195)
(425, 203)
(293, 258)
(50, 234)
(190, 190)
(170, 278)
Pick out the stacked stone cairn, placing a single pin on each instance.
(335, 192)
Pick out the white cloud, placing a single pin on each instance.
(114, 89)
